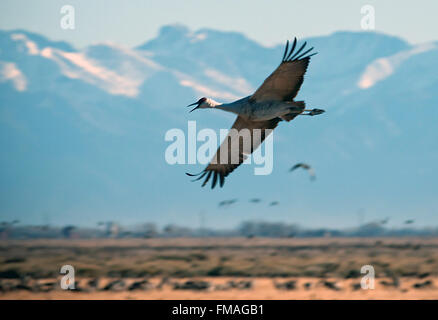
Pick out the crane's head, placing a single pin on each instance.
(201, 104)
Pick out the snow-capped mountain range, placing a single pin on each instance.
(82, 131)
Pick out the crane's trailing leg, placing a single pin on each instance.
(312, 112)
(294, 113)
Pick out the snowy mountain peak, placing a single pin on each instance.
(10, 72)
(382, 68)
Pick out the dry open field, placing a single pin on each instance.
(211, 268)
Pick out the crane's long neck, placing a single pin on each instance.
(230, 107)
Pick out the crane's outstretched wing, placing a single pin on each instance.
(285, 82)
(234, 150)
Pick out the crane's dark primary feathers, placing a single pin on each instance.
(290, 55)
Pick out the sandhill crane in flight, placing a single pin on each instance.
(274, 203)
(255, 200)
(305, 166)
(272, 102)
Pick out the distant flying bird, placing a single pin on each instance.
(410, 221)
(223, 203)
(305, 166)
(274, 203)
(226, 203)
(384, 221)
(255, 200)
(272, 102)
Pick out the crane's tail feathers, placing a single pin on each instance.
(300, 104)
(297, 110)
(290, 116)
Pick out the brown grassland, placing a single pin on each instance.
(315, 268)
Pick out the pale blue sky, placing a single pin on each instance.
(269, 22)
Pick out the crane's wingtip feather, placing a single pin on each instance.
(285, 50)
(292, 58)
(218, 177)
(213, 184)
(195, 174)
(222, 180)
(207, 178)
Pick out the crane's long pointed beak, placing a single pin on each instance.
(195, 103)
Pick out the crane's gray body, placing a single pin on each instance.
(261, 111)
